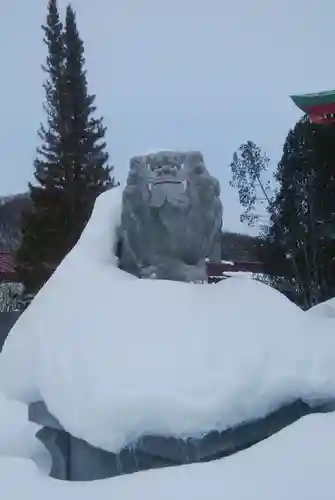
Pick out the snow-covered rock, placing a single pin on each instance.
(115, 357)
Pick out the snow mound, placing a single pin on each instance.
(115, 357)
(297, 463)
(324, 309)
(17, 435)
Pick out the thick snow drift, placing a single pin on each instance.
(115, 357)
(17, 435)
(297, 463)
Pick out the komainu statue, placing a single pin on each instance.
(171, 217)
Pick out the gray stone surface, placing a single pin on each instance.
(75, 460)
(7, 321)
(171, 217)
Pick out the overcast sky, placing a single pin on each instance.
(201, 74)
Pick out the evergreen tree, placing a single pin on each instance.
(298, 247)
(71, 167)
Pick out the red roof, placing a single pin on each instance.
(7, 263)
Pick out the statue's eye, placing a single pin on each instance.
(199, 169)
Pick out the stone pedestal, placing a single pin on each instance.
(76, 460)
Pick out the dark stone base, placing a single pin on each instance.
(75, 460)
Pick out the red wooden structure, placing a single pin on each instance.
(319, 106)
(215, 272)
(8, 268)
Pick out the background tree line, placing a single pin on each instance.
(297, 238)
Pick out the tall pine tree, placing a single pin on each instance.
(71, 168)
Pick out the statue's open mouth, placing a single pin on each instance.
(167, 181)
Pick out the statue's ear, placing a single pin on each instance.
(136, 163)
(195, 162)
(137, 170)
(195, 157)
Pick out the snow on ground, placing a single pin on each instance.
(297, 463)
(17, 435)
(115, 357)
(239, 274)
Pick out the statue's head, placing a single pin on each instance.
(171, 211)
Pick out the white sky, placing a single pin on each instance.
(205, 74)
